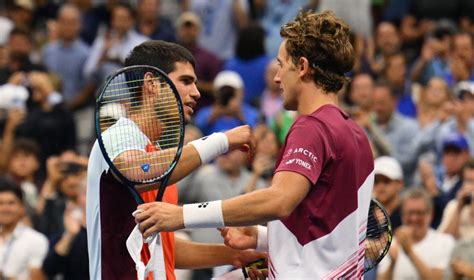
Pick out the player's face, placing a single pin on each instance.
(286, 78)
(184, 78)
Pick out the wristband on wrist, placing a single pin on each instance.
(203, 215)
(211, 146)
(262, 241)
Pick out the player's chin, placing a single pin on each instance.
(187, 117)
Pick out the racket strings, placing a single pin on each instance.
(157, 115)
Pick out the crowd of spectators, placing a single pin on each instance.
(411, 89)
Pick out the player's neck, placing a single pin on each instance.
(149, 126)
(313, 98)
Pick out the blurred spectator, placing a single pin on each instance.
(172, 8)
(360, 102)
(462, 120)
(397, 130)
(388, 185)
(395, 73)
(461, 59)
(67, 55)
(431, 102)
(417, 251)
(228, 110)
(23, 249)
(110, 49)
(264, 159)
(19, 48)
(23, 164)
(94, 19)
(151, 23)
(66, 58)
(358, 16)
(66, 175)
(276, 14)
(387, 43)
(225, 18)
(435, 9)
(443, 184)
(272, 101)
(433, 60)
(22, 13)
(188, 29)
(281, 124)
(459, 212)
(361, 91)
(462, 261)
(49, 124)
(67, 256)
(250, 62)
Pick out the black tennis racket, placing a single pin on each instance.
(378, 235)
(140, 127)
(140, 131)
(378, 239)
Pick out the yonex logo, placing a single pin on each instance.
(146, 167)
(203, 205)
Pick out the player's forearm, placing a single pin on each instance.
(188, 162)
(257, 207)
(192, 255)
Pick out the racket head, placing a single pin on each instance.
(378, 235)
(134, 99)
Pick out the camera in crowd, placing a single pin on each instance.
(71, 168)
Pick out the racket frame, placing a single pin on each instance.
(163, 179)
(387, 229)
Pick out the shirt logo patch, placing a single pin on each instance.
(303, 151)
(299, 162)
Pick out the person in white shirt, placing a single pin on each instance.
(22, 249)
(417, 252)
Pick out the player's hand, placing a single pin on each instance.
(241, 137)
(256, 274)
(240, 237)
(244, 257)
(159, 216)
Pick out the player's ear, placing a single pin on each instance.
(150, 82)
(303, 67)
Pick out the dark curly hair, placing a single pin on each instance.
(324, 40)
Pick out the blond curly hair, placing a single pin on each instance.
(323, 39)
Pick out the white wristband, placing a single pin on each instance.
(262, 241)
(203, 215)
(211, 146)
